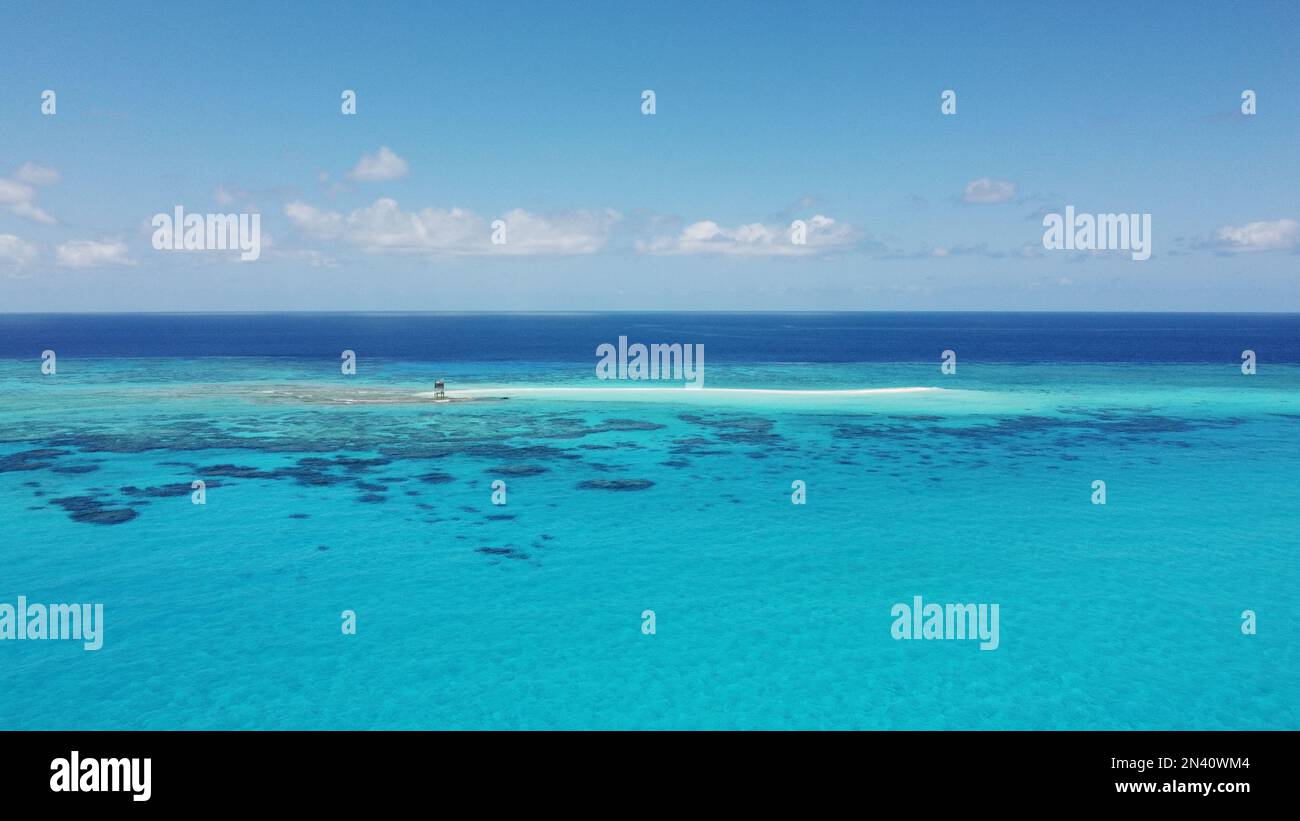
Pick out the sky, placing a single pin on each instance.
(765, 114)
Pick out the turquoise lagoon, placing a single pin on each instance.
(329, 493)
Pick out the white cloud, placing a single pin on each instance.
(754, 239)
(85, 253)
(572, 232)
(976, 249)
(15, 251)
(1278, 235)
(34, 174)
(380, 167)
(311, 257)
(18, 197)
(323, 224)
(988, 191)
(33, 212)
(383, 227)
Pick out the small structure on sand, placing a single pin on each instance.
(439, 389)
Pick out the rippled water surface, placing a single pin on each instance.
(328, 493)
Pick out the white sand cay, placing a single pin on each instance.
(588, 392)
(682, 394)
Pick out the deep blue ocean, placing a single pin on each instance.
(731, 337)
(329, 492)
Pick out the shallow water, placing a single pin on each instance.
(329, 493)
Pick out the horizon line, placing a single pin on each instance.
(698, 311)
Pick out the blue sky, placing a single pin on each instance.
(765, 113)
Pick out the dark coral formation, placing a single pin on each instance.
(616, 484)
